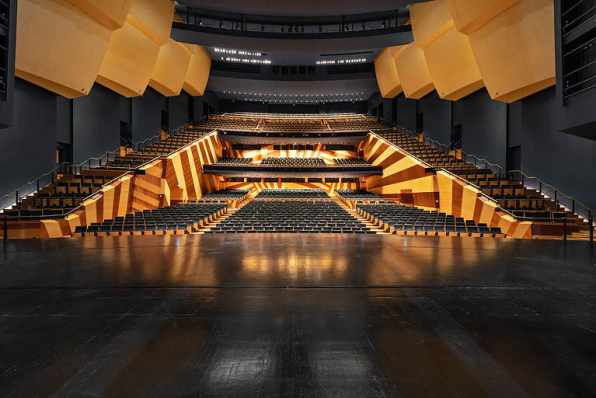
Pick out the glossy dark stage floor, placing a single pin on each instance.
(297, 316)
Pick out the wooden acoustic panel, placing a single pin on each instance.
(154, 18)
(110, 13)
(170, 69)
(58, 46)
(386, 72)
(469, 15)
(452, 65)
(515, 51)
(129, 61)
(197, 74)
(429, 21)
(415, 77)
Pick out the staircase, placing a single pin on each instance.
(358, 217)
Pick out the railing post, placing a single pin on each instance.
(38, 185)
(556, 201)
(17, 198)
(5, 227)
(591, 221)
(565, 229)
(573, 205)
(540, 187)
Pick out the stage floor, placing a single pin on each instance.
(291, 315)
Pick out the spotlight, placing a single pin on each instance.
(384, 24)
(302, 29)
(363, 27)
(296, 29)
(200, 22)
(262, 28)
(221, 25)
(346, 27)
(282, 29)
(237, 26)
(320, 29)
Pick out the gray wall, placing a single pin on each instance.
(436, 117)
(146, 115)
(29, 146)
(484, 126)
(565, 161)
(405, 112)
(96, 123)
(178, 110)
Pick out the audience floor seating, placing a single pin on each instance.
(283, 193)
(357, 194)
(291, 216)
(402, 219)
(180, 219)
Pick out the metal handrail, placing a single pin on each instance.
(486, 162)
(451, 174)
(32, 181)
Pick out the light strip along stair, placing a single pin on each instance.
(358, 217)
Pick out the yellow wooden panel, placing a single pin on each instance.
(452, 65)
(170, 70)
(413, 72)
(109, 13)
(515, 51)
(469, 15)
(445, 183)
(58, 46)
(488, 210)
(52, 228)
(154, 18)
(198, 71)
(429, 21)
(386, 72)
(468, 203)
(129, 61)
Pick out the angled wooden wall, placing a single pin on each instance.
(66, 45)
(386, 71)
(412, 182)
(464, 45)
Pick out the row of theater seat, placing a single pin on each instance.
(351, 162)
(283, 193)
(226, 194)
(399, 218)
(293, 125)
(293, 162)
(234, 161)
(357, 194)
(291, 217)
(170, 219)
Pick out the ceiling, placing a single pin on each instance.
(300, 8)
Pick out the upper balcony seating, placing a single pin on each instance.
(223, 123)
(351, 162)
(179, 219)
(357, 194)
(400, 218)
(293, 162)
(294, 126)
(284, 193)
(226, 194)
(234, 161)
(356, 124)
(291, 217)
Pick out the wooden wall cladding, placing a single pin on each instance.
(452, 65)
(448, 53)
(197, 74)
(407, 179)
(169, 73)
(413, 72)
(386, 72)
(154, 18)
(109, 13)
(58, 46)
(129, 61)
(515, 50)
(166, 181)
(469, 15)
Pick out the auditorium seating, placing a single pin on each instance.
(179, 219)
(351, 162)
(263, 216)
(234, 161)
(396, 218)
(226, 194)
(69, 190)
(284, 193)
(294, 126)
(357, 194)
(511, 195)
(293, 162)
